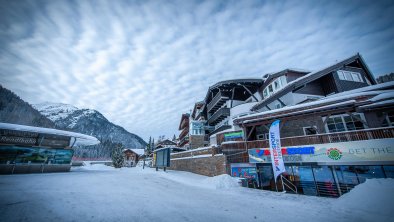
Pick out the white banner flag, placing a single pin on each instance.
(276, 149)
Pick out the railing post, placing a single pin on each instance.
(283, 184)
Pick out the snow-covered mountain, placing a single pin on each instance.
(14, 110)
(89, 122)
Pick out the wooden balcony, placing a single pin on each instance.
(218, 116)
(183, 141)
(217, 101)
(357, 135)
(184, 133)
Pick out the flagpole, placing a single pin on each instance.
(278, 166)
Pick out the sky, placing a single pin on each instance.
(144, 63)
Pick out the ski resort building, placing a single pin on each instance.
(131, 156)
(27, 149)
(337, 130)
(184, 128)
(336, 126)
(165, 144)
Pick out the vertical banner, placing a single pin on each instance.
(275, 149)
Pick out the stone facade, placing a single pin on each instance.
(206, 165)
(196, 141)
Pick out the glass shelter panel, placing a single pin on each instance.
(368, 172)
(347, 178)
(304, 180)
(266, 178)
(325, 181)
(389, 171)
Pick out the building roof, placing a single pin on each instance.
(139, 152)
(76, 139)
(310, 77)
(229, 84)
(197, 105)
(270, 76)
(184, 116)
(365, 96)
(166, 142)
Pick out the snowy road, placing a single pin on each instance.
(105, 194)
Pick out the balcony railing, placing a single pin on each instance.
(185, 123)
(217, 101)
(219, 116)
(183, 141)
(348, 136)
(184, 132)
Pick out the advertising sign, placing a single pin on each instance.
(162, 157)
(244, 170)
(377, 150)
(276, 150)
(233, 136)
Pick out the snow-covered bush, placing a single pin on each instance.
(117, 155)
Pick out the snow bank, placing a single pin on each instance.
(223, 181)
(87, 165)
(374, 198)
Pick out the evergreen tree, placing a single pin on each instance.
(149, 146)
(173, 138)
(117, 155)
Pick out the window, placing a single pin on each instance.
(335, 124)
(389, 119)
(310, 130)
(277, 85)
(270, 90)
(356, 77)
(265, 93)
(353, 122)
(274, 86)
(264, 136)
(345, 122)
(349, 76)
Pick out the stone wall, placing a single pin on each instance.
(204, 164)
(196, 152)
(196, 141)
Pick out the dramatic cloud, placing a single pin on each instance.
(144, 63)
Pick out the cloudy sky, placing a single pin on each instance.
(144, 63)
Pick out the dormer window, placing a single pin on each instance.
(274, 87)
(349, 76)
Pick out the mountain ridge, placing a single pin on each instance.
(88, 121)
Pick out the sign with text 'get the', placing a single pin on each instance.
(379, 150)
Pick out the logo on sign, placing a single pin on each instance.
(334, 153)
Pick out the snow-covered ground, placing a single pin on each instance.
(101, 193)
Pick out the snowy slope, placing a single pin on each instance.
(101, 193)
(90, 122)
(55, 111)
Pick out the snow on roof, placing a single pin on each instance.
(80, 139)
(284, 71)
(322, 70)
(197, 149)
(383, 96)
(348, 102)
(378, 104)
(198, 156)
(137, 151)
(376, 87)
(364, 91)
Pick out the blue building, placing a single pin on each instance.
(27, 149)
